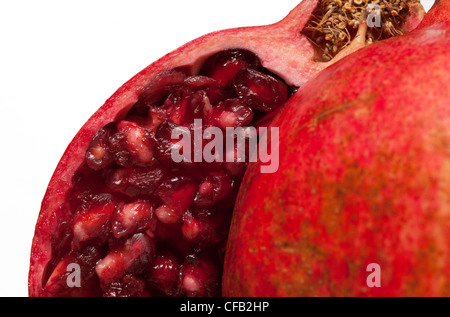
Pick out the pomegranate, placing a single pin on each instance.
(122, 216)
(360, 203)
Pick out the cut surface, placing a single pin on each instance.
(158, 225)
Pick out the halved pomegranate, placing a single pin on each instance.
(137, 222)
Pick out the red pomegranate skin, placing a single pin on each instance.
(438, 13)
(364, 178)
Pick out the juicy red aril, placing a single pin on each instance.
(191, 227)
(137, 142)
(199, 277)
(158, 89)
(143, 224)
(200, 82)
(126, 256)
(204, 228)
(237, 158)
(99, 155)
(229, 113)
(134, 181)
(85, 260)
(93, 223)
(164, 274)
(164, 142)
(168, 215)
(127, 286)
(178, 193)
(213, 190)
(133, 217)
(260, 91)
(224, 66)
(131, 144)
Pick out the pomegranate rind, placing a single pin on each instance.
(439, 13)
(363, 179)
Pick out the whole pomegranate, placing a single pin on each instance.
(360, 205)
(122, 216)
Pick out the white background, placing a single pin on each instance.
(59, 62)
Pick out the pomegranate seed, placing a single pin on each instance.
(191, 228)
(157, 115)
(178, 108)
(118, 146)
(128, 256)
(164, 274)
(207, 106)
(178, 193)
(158, 89)
(88, 284)
(93, 223)
(167, 215)
(214, 189)
(206, 87)
(203, 228)
(236, 162)
(132, 218)
(200, 277)
(230, 113)
(135, 181)
(200, 82)
(165, 144)
(127, 286)
(260, 91)
(99, 155)
(224, 66)
(136, 141)
(197, 102)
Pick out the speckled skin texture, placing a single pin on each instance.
(364, 178)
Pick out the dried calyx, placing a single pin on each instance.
(335, 23)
